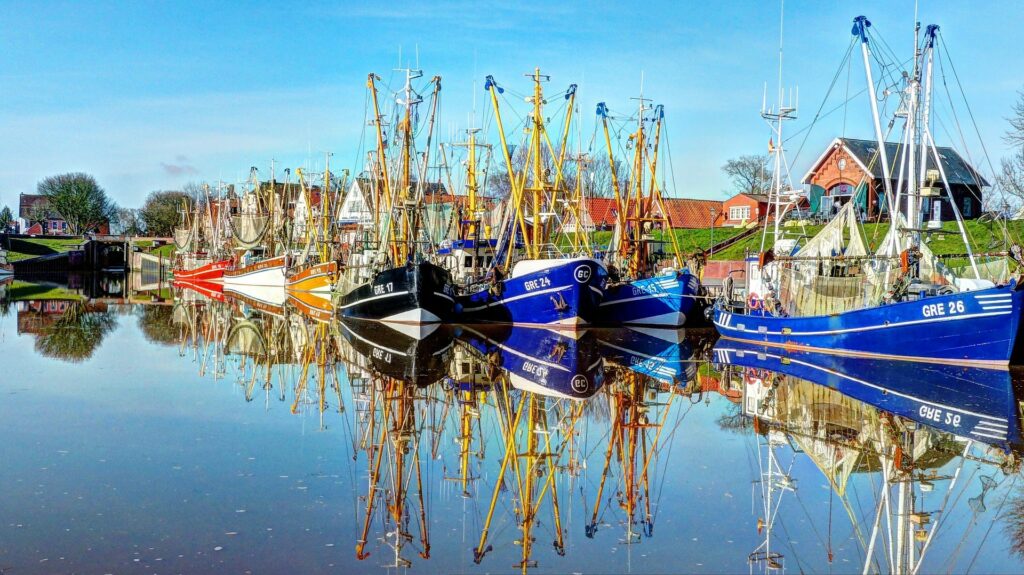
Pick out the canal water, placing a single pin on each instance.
(196, 433)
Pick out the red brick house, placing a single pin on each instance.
(744, 208)
(849, 170)
(32, 206)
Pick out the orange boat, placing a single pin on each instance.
(316, 278)
(312, 305)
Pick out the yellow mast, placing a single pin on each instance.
(382, 170)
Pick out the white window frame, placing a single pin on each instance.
(739, 213)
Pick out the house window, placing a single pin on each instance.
(968, 206)
(739, 213)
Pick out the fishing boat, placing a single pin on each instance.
(664, 355)
(417, 361)
(970, 402)
(314, 270)
(405, 287)
(897, 472)
(900, 303)
(541, 288)
(254, 231)
(196, 243)
(641, 291)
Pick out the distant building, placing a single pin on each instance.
(744, 208)
(39, 219)
(601, 214)
(692, 213)
(34, 210)
(849, 170)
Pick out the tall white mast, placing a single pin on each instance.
(860, 27)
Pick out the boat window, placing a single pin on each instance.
(469, 262)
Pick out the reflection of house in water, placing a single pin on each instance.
(37, 315)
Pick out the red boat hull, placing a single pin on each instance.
(212, 271)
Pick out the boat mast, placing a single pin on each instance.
(384, 241)
(860, 27)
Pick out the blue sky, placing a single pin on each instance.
(148, 95)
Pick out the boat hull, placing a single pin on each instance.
(317, 278)
(658, 301)
(540, 361)
(208, 290)
(413, 294)
(269, 272)
(213, 271)
(313, 305)
(564, 295)
(393, 354)
(969, 402)
(972, 328)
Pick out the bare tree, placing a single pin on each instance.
(1015, 135)
(750, 174)
(1010, 179)
(129, 221)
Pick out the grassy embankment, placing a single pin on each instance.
(25, 248)
(20, 290)
(690, 240)
(984, 237)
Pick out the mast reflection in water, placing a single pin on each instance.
(219, 433)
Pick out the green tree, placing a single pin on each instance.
(157, 324)
(161, 212)
(79, 200)
(6, 217)
(77, 333)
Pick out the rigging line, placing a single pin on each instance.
(992, 524)
(967, 105)
(817, 115)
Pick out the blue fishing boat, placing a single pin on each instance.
(651, 290)
(529, 280)
(901, 302)
(977, 328)
(664, 300)
(665, 355)
(553, 293)
(967, 401)
(539, 360)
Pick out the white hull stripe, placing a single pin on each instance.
(637, 298)
(521, 354)
(998, 420)
(377, 345)
(444, 295)
(516, 298)
(869, 327)
(374, 298)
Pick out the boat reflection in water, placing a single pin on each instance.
(537, 444)
(927, 442)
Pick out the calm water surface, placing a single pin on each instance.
(223, 437)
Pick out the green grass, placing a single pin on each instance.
(984, 237)
(690, 240)
(25, 248)
(164, 251)
(22, 290)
